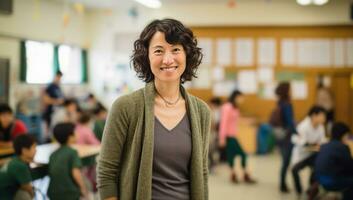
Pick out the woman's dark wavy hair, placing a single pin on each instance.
(282, 91)
(175, 33)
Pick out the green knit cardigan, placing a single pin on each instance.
(125, 162)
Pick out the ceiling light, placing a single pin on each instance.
(320, 2)
(304, 2)
(150, 3)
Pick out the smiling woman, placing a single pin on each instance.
(155, 142)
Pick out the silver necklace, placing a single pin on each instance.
(168, 103)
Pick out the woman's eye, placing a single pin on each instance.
(158, 51)
(176, 50)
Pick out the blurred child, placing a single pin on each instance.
(68, 113)
(85, 135)
(334, 163)
(215, 104)
(228, 132)
(66, 181)
(311, 134)
(90, 104)
(83, 131)
(10, 127)
(100, 118)
(15, 176)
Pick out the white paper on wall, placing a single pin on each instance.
(206, 45)
(299, 90)
(244, 52)
(314, 52)
(304, 52)
(247, 81)
(322, 52)
(223, 88)
(338, 53)
(265, 74)
(288, 52)
(203, 79)
(266, 51)
(218, 74)
(268, 90)
(349, 44)
(224, 51)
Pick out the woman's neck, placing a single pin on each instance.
(169, 91)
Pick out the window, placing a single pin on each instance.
(39, 60)
(70, 64)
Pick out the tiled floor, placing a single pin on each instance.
(265, 169)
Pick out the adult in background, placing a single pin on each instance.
(155, 143)
(53, 96)
(282, 120)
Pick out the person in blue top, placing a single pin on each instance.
(286, 118)
(334, 163)
(53, 96)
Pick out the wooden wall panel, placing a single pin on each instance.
(261, 108)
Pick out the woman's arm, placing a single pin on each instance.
(109, 163)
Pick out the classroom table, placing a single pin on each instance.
(45, 150)
(39, 167)
(6, 152)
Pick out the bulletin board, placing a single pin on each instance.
(259, 57)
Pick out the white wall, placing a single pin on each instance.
(98, 29)
(104, 28)
(47, 26)
(260, 12)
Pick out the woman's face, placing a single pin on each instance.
(167, 61)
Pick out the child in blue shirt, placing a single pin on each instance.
(334, 163)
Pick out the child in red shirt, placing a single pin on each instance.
(10, 127)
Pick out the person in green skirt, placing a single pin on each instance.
(228, 132)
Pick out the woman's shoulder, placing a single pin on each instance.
(202, 105)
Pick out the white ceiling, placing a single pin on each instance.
(117, 3)
(95, 4)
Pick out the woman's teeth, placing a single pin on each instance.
(168, 68)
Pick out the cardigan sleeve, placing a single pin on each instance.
(207, 131)
(109, 162)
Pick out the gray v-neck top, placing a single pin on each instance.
(171, 161)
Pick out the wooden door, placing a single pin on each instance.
(343, 98)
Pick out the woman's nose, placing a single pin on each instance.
(168, 59)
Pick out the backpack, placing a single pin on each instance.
(276, 117)
(276, 121)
